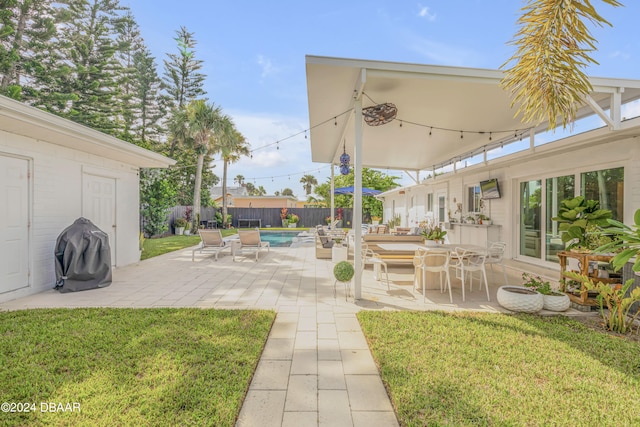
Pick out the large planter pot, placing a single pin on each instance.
(556, 302)
(520, 299)
(179, 231)
(293, 225)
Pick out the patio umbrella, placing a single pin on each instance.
(349, 190)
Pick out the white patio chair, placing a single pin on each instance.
(466, 262)
(495, 254)
(433, 261)
(250, 240)
(211, 242)
(371, 258)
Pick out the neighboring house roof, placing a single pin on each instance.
(216, 192)
(22, 119)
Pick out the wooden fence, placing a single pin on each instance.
(268, 217)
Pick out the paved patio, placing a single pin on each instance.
(316, 368)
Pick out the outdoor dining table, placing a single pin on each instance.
(449, 247)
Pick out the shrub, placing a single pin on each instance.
(614, 298)
(343, 271)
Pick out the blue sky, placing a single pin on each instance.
(254, 57)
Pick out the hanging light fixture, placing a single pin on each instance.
(344, 161)
(379, 114)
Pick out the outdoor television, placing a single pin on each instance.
(490, 189)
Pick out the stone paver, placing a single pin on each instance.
(316, 368)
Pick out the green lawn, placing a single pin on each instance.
(481, 369)
(155, 247)
(130, 367)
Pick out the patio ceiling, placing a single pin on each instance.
(429, 99)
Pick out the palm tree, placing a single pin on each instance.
(231, 145)
(308, 181)
(239, 179)
(553, 47)
(260, 191)
(200, 124)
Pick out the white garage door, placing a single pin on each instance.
(14, 223)
(99, 206)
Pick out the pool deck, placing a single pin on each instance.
(316, 368)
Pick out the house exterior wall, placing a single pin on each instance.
(56, 177)
(551, 160)
(264, 202)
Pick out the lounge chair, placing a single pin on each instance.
(250, 240)
(211, 242)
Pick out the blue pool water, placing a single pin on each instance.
(279, 238)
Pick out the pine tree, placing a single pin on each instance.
(183, 82)
(152, 106)
(130, 43)
(24, 26)
(79, 80)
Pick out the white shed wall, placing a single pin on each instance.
(56, 201)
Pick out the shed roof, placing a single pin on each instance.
(22, 119)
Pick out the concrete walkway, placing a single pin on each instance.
(316, 368)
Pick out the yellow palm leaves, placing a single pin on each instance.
(547, 80)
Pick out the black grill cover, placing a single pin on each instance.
(82, 257)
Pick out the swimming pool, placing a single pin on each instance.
(280, 239)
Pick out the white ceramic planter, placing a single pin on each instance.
(520, 299)
(179, 231)
(556, 302)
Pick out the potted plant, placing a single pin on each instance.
(485, 220)
(343, 272)
(580, 222)
(179, 224)
(375, 220)
(394, 222)
(284, 213)
(552, 300)
(520, 299)
(433, 233)
(292, 220)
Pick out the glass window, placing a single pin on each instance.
(557, 189)
(607, 186)
(441, 216)
(430, 202)
(473, 198)
(530, 210)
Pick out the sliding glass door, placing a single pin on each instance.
(540, 199)
(558, 189)
(530, 211)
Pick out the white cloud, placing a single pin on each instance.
(424, 13)
(440, 53)
(266, 65)
(620, 54)
(276, 166)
